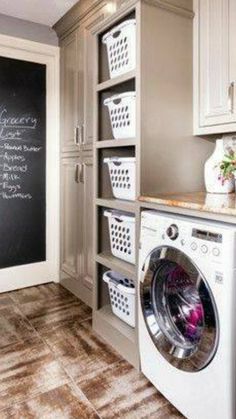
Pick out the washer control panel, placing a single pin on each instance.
(198, 242)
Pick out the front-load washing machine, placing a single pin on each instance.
(187, 312)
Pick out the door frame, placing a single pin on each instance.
(48, 271)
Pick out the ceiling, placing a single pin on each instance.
(46, 12)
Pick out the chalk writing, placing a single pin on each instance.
(12, 157)
(15, 155)
(9, 120)
(16, 195)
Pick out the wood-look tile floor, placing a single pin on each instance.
(52, 365)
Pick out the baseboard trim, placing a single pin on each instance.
(77, 288)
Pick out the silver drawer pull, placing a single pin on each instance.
(81, 176)
(231, 96)
(76, 136)
(81, 135)
(77, 172)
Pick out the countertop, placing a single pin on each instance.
(224, 204)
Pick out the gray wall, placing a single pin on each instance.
(27, 30)
(172, 160)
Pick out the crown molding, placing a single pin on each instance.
(84, 8)
(76, 14)
(180, 7)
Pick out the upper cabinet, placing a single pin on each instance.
(73, 76)
(89, 68)
(69, 97)
(214, 66)
(77, 79)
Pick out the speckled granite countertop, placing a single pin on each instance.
(201, 201)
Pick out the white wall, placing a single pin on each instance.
(27, 30)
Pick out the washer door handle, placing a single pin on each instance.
(145, 267)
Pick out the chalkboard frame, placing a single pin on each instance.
(42, 272)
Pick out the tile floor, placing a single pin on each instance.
(52, 366)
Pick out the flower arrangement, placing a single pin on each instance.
(228, 166)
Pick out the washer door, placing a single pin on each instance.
(179, 309)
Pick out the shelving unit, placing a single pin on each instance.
(162, 81)
(119, 334)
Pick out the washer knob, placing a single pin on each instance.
(172, 232)
(194, 246)
(204, 249)
(216, 251)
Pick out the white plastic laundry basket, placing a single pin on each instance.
(122, 176)
(122, 296)
(121, 48)
(122, 112)
(122, 235)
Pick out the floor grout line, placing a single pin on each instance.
(73, 382)
(57, 359)
(60, 362)
(30, 398)
(43, 342)
(69, 376)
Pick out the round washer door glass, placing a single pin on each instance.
(179, 309)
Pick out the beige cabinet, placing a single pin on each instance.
(77, 78)
(86, 211)
(70, 217)
(88, 85)
(89, 54)
(80, 86)
(214, 66)
(77, 218)
(69, 97)
(72, 91)
(78, 62)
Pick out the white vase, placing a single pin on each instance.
(212, 172)
(217, 201)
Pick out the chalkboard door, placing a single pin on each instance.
(23, 170)
(22, 162)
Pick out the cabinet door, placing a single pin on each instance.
(69, 101)
(216, 58)
(87, 228)
(90, 62)
(80, 85)
(70, 217)
(232, 52)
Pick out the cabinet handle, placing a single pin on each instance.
(81, 134)
(81, 177)
(77, 171)
(76, 136)
(231, 96)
